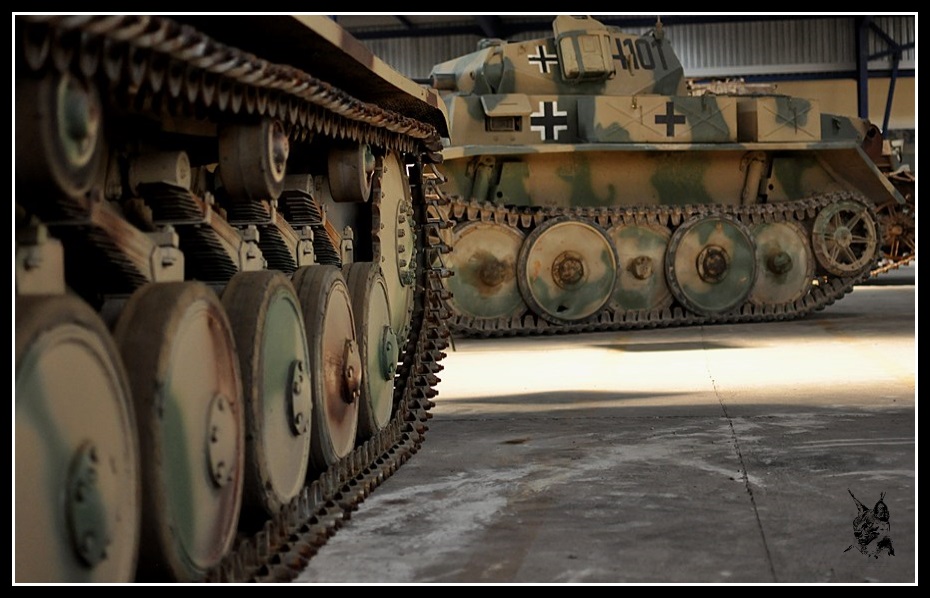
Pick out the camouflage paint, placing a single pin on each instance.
(173, 365)
(835, 128)
(679, 180)
(285, 453)
(641, 267)
(610, 133)
(579, 178)
(57, 419)
(657, 113)
(793, 111)
(571, 304)
(690, 243)
(799, 175)
(512, 188)
(594, 175)
(778, 118)
(200, 512)
(180, 477)
(628, 134)
(592, 270)
(597, 177)
(784, 262)
(656, 119)
(485, 284)
(706, 116)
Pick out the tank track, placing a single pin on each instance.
(891, 266)
(174, 69)
(286, 543)
(826, 291)
(173, 65)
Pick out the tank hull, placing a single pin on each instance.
(713, 205)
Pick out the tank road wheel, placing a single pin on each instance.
(784, 263)
(395, 246)
(641, 281)
(567, 270)
(711, 264)
(266, 319)
(484, 261)
(253, 158)
(845, 238)
(899, 229)
(180, 354)
(350, 171)
(77, 458)
(62, 115)
(335, 364)
(377, 344)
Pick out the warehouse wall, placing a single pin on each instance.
(775, 47)
(813, 51)
(839, 96)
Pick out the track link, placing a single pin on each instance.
(159, 67)
(285, 545)
(824, 292)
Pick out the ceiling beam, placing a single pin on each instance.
(491, 26)
(496, 26)
(404, 21)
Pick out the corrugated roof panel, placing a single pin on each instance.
(726, 49)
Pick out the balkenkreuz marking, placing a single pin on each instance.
(542, 59)
(549, 121)
(670, 119)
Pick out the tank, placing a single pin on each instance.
(590, 190)
(229, 323)
(898, 220)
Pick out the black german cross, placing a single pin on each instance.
(549, 121)
(542, 59)
(670, 119)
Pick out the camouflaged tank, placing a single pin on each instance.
(227, 322)
(590, 191)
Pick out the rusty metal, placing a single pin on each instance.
(157, 219)
(661, 314)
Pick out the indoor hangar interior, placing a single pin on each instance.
(853, 64)
(457, 299)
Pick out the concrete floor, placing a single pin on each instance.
(708, 454)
